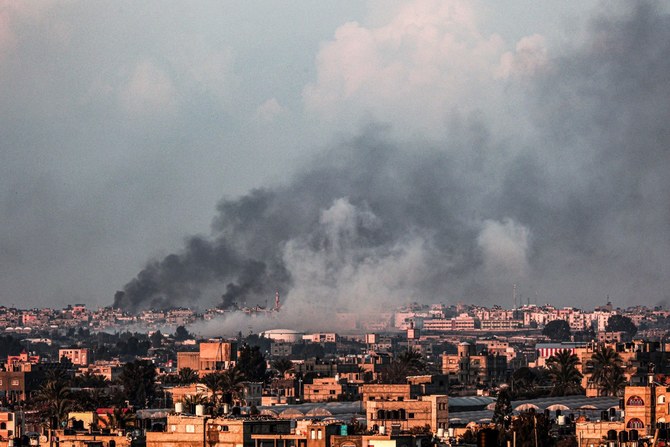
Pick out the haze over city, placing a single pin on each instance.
(355, 154)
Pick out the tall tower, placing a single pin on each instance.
(277, 303)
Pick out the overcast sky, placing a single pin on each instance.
(123, 125)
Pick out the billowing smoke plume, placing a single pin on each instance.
(576, 211)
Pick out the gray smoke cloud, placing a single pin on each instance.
(575, 210)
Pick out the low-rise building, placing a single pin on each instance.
(12, 424)
(395, 416)
(196, 431)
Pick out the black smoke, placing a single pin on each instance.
(584, 201)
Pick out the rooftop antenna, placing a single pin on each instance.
(277, 303)
(514, 294)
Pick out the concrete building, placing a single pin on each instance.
(12, 424)
(78, 356)
(470, 367)
(72, 438)
(198, 431)
(322, 390)
(283, 335)
(211, 356)
(645, 407)
(396, 416)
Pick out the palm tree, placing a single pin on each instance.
(214, 382)
(187, 376)
(414, 361)
(226, 386)
(408, 363)
(564, 374)
(119, 418)
(283, 366)
(191, 400)
(53, 400)
(232, 385)
(607, 371)
(91, 380)
(139, 382)
(396, 373)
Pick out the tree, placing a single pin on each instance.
(181, 334)
(503, 410)
(138, 380)
(251, 363)
(225, 386)
(525, 381)
(53, 401)
(617, 323)
(192, 400)
(118, 418)
(607, 371)
(532, 429)
(283, 366)
(564, 374)
(232, 387)
(187, 376)
(408, 363)
(156, 339)
(91, 380)
(414, 361)
(214, 382)
(557, 330)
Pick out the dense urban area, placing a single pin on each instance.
(418, 375)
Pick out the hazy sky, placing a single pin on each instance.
(504, 142)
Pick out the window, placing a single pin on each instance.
(332, 391)
(223, 428)
(410, 415)
(3, 426)
(661, 399)
(635, 423)
(190, 428)
(173, 428)
(312, 434)
(635, 401)
(319, 434)
(15, 382)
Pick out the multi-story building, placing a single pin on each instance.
(78, 356)
(394, 416)
(329, 337)
(211, 356)
(645, 407)
(192, 431)
(323, 390)
(470, 367)
(500, 325)
(15, 386)
(12, 424)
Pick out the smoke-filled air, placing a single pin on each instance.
(350, 155)
(551, 171)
